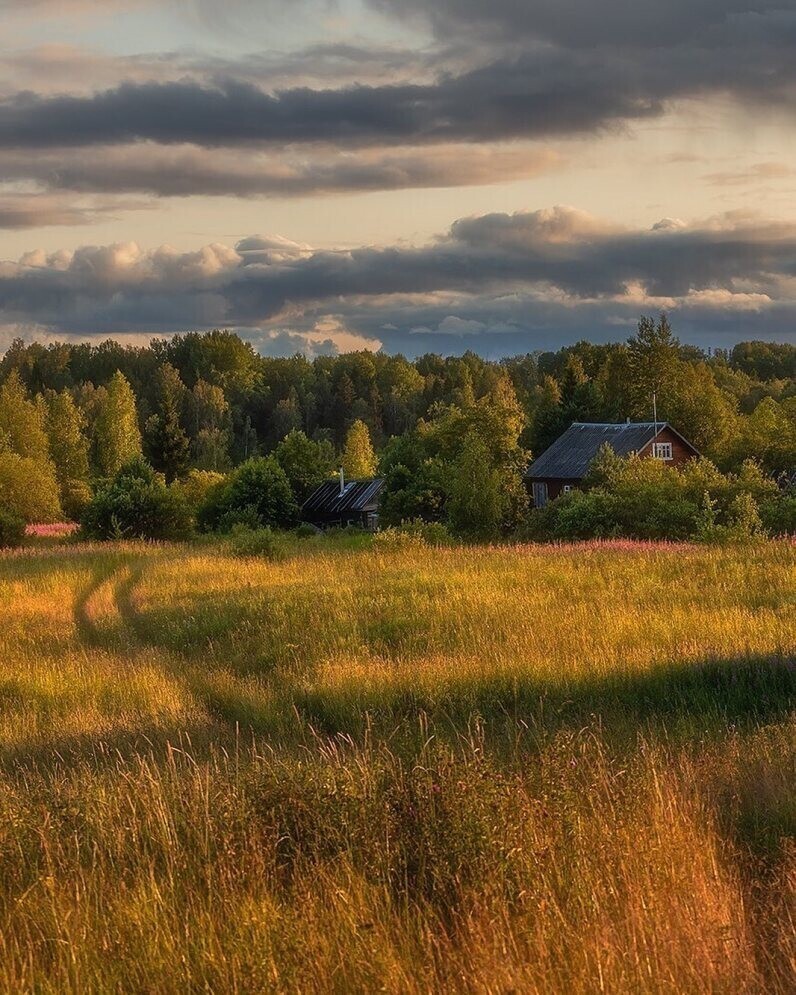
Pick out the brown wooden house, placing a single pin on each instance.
(565, 464)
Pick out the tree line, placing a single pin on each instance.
(452, 434)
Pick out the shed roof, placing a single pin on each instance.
(570, 455)
(357, 495)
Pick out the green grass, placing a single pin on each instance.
(462, 769)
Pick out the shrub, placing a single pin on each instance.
(743, 519)
(432, 533)
(262, 543)
(75, 497)
(136, 504)
(257, 494)
(12, 529)
(779, 516)
(305, 531)
(195, 487)
(585, 515)
(245, 518)
(395, 539)
(641, 498)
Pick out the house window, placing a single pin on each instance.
(662, 450)
(567, 488)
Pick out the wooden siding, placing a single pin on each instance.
(681, 452)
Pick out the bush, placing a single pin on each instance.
(257, 494)
(263, 543)
(779, 516)
(641, 498)
(75, 498)
(306, 531)
(244, 518)
(12, 529)
(586, 515)
(432, 533)
(395, 539)
(136, 504)
(195, 487)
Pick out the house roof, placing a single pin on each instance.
(570, 455)
(357, 496)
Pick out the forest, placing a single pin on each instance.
(451, 435)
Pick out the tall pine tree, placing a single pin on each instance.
(167, 441)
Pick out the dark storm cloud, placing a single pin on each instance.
(556, 262)
(524, 99)
(586, 23)
(548, 90)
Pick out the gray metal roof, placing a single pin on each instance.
(358, 495)
(570, 455)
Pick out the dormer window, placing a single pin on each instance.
(662, 450)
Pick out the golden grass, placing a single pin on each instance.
(510, 769)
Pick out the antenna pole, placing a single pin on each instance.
(655, 410)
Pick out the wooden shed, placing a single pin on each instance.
(565, 464)
(344, 502)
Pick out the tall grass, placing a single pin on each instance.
(512, 769)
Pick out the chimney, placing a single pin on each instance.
(342, 480)
(628, 420)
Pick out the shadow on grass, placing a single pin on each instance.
(688, 698)
(679, 701)
(106, 750)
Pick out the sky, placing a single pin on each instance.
(329, 175)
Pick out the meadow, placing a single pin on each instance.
(389, 767)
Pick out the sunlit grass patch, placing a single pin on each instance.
(542, 769)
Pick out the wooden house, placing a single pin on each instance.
(344, 502)
(564, 465)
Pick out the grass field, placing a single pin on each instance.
(527, 769)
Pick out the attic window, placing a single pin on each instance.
(662, 450)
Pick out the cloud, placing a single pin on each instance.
(21, 210)
(58, 67)
(491, 278)
(546, 90)
(328, 336)
(644, 24)
(188, 171)
(759, 172)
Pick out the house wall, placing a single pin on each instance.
(681, 453)
(365, 518)
(555, 486)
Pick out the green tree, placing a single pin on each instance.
(769, 435)
(136, 504)
(69, 447)
(117, 436)
(359, 459)
(549, 417)
(22, 427)
(28, 488)
(415, 482)
(306, 463)
(653, 364)
(167, 440)
(476, 501)
(257, 493)
(211, 427)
